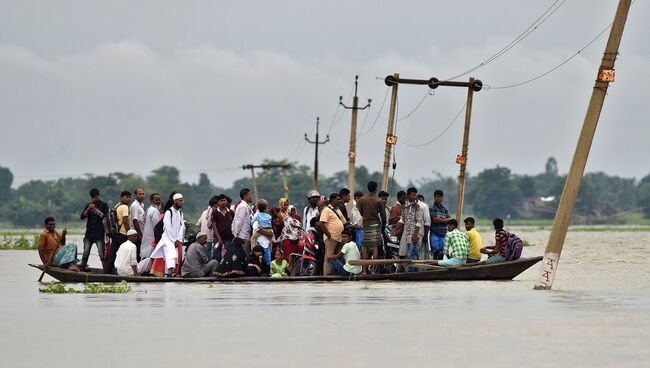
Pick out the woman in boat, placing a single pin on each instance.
(292, 234)
(52, 247)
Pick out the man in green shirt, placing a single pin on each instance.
(456, 246)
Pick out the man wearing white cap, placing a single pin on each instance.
(196, 262)
(126, 259)
(174, 230)
(311, 210)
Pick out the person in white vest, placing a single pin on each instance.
(172, 237)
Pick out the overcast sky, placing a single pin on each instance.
(104, 86)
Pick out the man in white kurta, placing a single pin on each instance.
(173, 233)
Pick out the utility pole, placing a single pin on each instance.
(581, 154)
(316, 143)
(352, 154)
(391, 139)
(462, 159)
(266, 167)
(474, 85)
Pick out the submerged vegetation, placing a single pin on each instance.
(58, 288)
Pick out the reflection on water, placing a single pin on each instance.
(598, 315)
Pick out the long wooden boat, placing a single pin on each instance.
(499, 271)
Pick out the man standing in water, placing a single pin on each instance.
(172, 237)
(94, 213)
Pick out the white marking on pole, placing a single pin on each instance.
(549, 267)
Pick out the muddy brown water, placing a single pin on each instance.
(598, 315)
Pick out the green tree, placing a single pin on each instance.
(495, 194)
(6, 179)
(643, 193)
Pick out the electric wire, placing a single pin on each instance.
(378, 114)
(441, 133)
(532, 28)
(557, 66)
(428, 93)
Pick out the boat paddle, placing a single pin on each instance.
(49, 262)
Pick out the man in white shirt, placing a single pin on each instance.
(172, 237)
(241, 224)
(311, 210)
(138, 216)
(126, 260)
(151, 219)
(425, 251)
(205, 223)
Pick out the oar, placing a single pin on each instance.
(46, 266)
(377, 262)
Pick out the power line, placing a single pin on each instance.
(557, 66)
(428, 93)
(378, 113)
(532, 28)
(442, 133)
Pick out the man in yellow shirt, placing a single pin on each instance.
(475, 242)
(122, 212)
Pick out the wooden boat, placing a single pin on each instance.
(498, 271)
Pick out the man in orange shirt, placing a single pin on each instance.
(52, 248)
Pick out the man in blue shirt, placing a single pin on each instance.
(439, 218)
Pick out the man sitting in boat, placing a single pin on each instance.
(126, 259)
(349, 252)
(456, 246)
(497, 252)
(53, 250)
(196, 262)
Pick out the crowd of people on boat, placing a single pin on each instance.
(331, 236)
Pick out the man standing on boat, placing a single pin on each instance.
(311, 210)
(122, 213)
(439, 218)
(172, 237)
(409, 225)
(222, 219)
(151, 219)
(426, 222)
(138, 217)
(372, 211)
(94, 213)
(241, 224)
(396, 210)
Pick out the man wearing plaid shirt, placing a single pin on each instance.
(456, 246)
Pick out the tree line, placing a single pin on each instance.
(493, 192)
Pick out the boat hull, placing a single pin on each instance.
(498, 271)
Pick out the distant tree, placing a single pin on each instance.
(643, 195)
(496, 194)
(526, 185)
(6, 178)
(550, 168)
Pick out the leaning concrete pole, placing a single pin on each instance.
(572, 184)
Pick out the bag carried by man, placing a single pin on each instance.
(110, 223)
(515, 247)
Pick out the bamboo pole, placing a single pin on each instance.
(581, 154)
(462, 160)
(389, 135)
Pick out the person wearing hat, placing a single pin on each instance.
(311, 210)
(126, 260)
(196, 262)
(172, 237)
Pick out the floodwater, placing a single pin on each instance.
(598, 315)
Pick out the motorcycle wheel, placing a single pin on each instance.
(304, 267)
